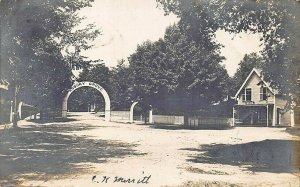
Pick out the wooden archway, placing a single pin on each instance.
(92, 85)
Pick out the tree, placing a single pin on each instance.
(121, 86)
(201, 79)
(82, 98)
(97, 73)
(41, 43)
(278, 21)
(148, 72)
(175, 74)
(245, 67)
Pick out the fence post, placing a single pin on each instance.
(150, 116)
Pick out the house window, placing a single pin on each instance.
(263, 93)
(248, 94)
(243, 95)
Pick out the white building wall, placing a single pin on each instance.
(255, 91)
(285, 116)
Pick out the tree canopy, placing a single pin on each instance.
(83, 97)
(41, 42)
(278, 21)
(175, 74)
(249, 62)
(121, 83)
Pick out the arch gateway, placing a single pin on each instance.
(131, 113)
(77, 85)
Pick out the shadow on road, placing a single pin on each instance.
(277, 156)
(54, 120)
(185, 127)
(45, 153)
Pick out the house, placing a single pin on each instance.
(5, 104)
(260, 105)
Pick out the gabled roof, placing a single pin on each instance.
(258, 72)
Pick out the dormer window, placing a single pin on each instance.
(263, 93)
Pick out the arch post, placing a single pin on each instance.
(65, 106)
(107, 113)
(131, 112)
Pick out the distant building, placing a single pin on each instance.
(3, 91)
(5, 104)
(3, 85)
(260, 105)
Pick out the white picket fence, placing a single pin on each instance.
(120, 116)
(210, 122)
(163, 119)
(124, 116)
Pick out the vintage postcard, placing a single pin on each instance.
(157, 93)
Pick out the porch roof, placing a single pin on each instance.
(249, 105)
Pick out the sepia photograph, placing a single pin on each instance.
(154, 93)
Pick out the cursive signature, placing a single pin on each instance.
(118, 179)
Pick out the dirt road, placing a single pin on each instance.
(86, 151)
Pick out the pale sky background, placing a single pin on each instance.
(127, 23)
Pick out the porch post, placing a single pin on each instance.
(292, 118)
(233, 122)
(11, 112)
(293, 105)
(274, 113)
(267, 115)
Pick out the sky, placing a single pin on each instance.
(126, 23)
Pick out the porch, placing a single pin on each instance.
(253, 115)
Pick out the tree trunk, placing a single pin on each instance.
(41, 114)
(145, 117)
(15, 114)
